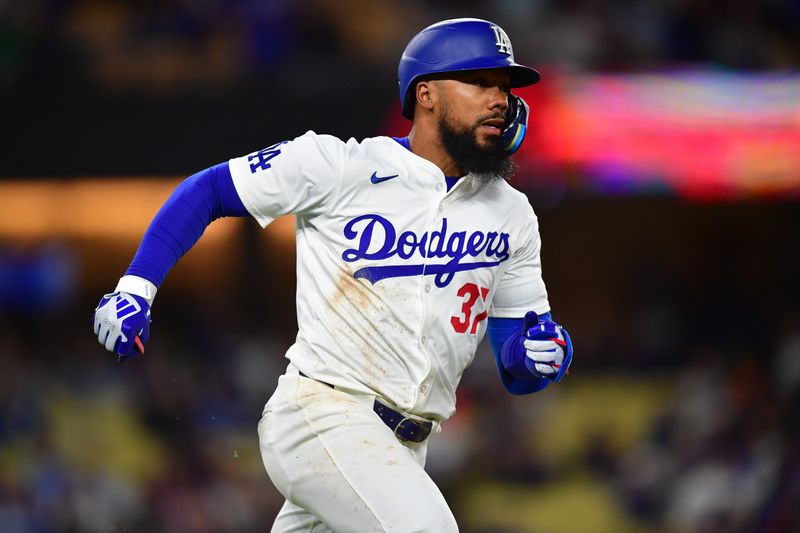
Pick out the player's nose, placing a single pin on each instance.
(498, 99)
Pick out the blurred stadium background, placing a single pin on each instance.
(664, 164)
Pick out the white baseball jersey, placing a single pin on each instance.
(396, 275)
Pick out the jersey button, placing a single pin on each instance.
(427, 288)
(424, 339)
(423, 388)
(439, 187)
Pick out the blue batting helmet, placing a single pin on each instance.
(458, 45)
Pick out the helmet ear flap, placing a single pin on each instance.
(517, 124)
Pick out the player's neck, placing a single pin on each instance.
(425, 142)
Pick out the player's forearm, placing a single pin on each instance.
(181, 221)
(499, 331)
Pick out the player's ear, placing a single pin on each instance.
(426, 94)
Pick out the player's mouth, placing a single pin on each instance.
(493, 126)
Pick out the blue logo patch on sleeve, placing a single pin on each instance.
(260, 160)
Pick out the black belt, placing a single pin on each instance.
(404, 428)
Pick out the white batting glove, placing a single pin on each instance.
(548, 349)
(122, 320)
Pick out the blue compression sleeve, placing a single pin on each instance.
(499, 330)
(199, 200)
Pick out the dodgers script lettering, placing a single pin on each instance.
(375, 238)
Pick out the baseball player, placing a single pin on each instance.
(409, 250)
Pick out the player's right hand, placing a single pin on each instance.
(122, 323)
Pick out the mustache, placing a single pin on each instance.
(486, 118)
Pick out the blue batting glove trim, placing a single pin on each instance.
(501, 330)
(199, 200)
(543, 330)
(546, 317)
(567, 357)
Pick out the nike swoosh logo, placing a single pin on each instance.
(379, 179)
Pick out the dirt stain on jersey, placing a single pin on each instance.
(350, 291)
(359, 302)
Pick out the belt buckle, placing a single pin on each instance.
(420, 431)
(425, 430)
(399, 425)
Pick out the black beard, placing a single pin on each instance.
(486, 163)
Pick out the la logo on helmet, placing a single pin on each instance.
(502, 41)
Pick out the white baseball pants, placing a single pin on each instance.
(341, 468)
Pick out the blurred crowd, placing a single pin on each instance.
(157, 45)
(161, 86)
(680, 413)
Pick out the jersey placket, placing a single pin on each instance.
(428, 290)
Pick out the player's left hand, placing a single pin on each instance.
(122, 323)
(548, 348)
